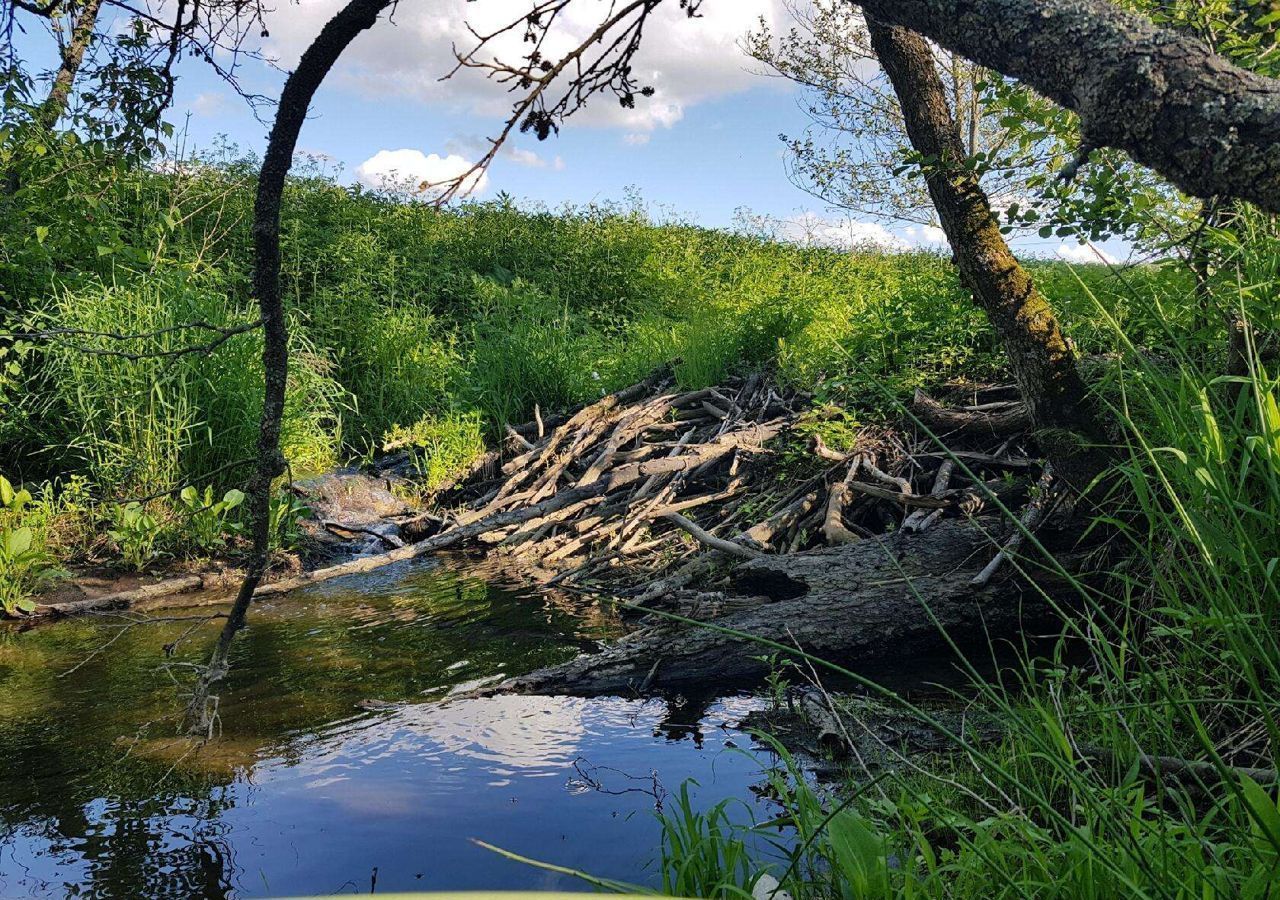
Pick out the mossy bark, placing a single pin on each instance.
(1041, 358)
(72, 58)
(54, 106)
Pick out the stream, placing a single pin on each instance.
(338, 770)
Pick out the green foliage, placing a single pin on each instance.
(138, 533)
(704, 853)
(26, 565)
(441, 445)
(208, 522)
(148, 422)
(284, 518)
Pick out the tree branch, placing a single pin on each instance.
(1158, 94)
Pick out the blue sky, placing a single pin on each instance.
(704, 147)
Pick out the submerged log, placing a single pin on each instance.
(857, 604)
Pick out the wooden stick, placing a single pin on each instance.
(833, 530)
(1031, 517)
(710, 539)
(915, 500)
(919, 520)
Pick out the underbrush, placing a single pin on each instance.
(418, 328)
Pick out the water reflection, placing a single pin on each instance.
(303, 793)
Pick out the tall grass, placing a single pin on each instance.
(403, 314)
(135, 418)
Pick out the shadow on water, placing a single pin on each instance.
(304, 792)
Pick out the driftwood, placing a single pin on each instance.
(858, 604)
(162, 590)
(987, 420)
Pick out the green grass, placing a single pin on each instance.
(402, 314)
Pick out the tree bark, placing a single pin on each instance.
(1158, 94)
(72, 57)
(55, 104)
(869, 602)
(342, 29)
(1043, 363)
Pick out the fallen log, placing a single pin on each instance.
(856, 604)
(994, 420)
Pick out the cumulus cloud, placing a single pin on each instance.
(208, 103)
(688, 61)
(1085, 253)
(812, 230)
(525, 158)
(926, 235)
(407, 171)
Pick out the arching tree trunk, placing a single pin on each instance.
(1042, 360)
(355, 17)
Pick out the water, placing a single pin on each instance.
(305, 792)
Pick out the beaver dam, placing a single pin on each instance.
(726, 506)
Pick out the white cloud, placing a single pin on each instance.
(413, 172)
(208, 103)
(1085, 253)
(813, 230)
(525, 158)
(636, 138)
(688, 61)
(926, 235)
(473, 147)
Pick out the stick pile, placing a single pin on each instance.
(649, 488)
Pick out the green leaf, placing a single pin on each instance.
(859, 855)
(6, 492)
(42, 232)
(1266, 818)
(17, 542)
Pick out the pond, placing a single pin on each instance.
(337, 768)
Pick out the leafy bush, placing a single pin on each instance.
(441, 445)
(138, 533)
(284, 518)
(25, 563)
(208, 522)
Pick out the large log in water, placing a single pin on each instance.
(869, 602)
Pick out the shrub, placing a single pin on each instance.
(26, 565)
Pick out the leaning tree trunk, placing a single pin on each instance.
(55, 104)
(355, 17)
(1042, 360)
(72, 57)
